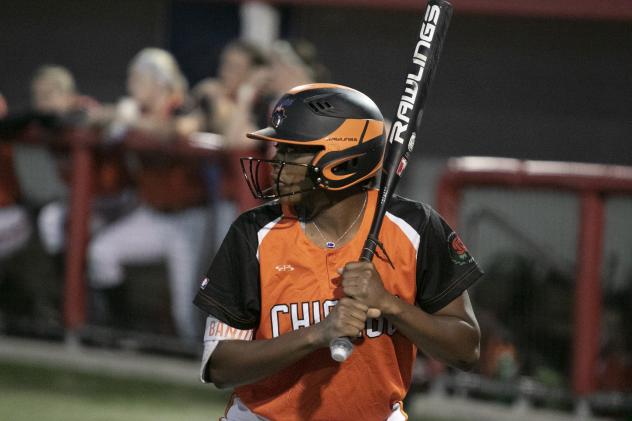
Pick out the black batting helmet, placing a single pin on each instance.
(343, 124)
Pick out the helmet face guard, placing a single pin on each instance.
(344, 125)
(258, 175)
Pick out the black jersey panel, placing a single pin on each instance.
(231, 290)
(445, 267)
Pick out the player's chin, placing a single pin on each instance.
(289, 198)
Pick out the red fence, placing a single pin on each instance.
(592, 183)
(81, 143)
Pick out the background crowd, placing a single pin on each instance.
(148, 206)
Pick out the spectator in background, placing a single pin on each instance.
(499, 356)
(290, 64)
(219, 99)
(4, 108)
(294, 63)
(614, 370)
(15, 227)
(239, 62)
(170, 222)
(15, 224)
(53, 91)
(18, 273)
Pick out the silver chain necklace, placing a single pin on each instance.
(332, 244)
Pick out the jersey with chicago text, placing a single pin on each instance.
(269, 277)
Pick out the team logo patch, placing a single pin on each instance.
(458, 252)
(204, 283)
(278, 115)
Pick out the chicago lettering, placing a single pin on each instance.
(311, 312)
(407, 101)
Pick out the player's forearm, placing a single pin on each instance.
(447, 338)
(236, 363)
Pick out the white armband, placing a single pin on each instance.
(216, 331)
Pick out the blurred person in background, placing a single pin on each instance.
(170, 223)
(15, 233)
(219, 100)
(499, 356)
(294, 63)
(15, 227)
(290, 64)
(615, 356)
(54, 91)
(4, 108)
(15, 224)
(240, 61)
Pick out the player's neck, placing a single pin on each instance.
(339, 215)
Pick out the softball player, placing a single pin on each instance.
(286, 280)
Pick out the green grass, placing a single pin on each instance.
(30, 392)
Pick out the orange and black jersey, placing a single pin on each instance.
(269, 277)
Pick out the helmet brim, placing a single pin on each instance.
(270, 134)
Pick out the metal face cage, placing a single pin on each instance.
(263, 184)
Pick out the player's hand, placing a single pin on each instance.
(362, 282)
(347, 318)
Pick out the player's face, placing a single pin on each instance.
(291, 178)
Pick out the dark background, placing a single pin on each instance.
(539, 88)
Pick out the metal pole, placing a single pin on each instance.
(588, 296)
(79, 217)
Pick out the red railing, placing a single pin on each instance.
(80, 143)
(592, 183)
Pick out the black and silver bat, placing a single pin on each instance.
(402, 135)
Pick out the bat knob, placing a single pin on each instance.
(341, 349)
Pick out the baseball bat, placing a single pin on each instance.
(401, 136)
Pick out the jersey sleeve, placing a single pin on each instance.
(230, 291)
(445, 268)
